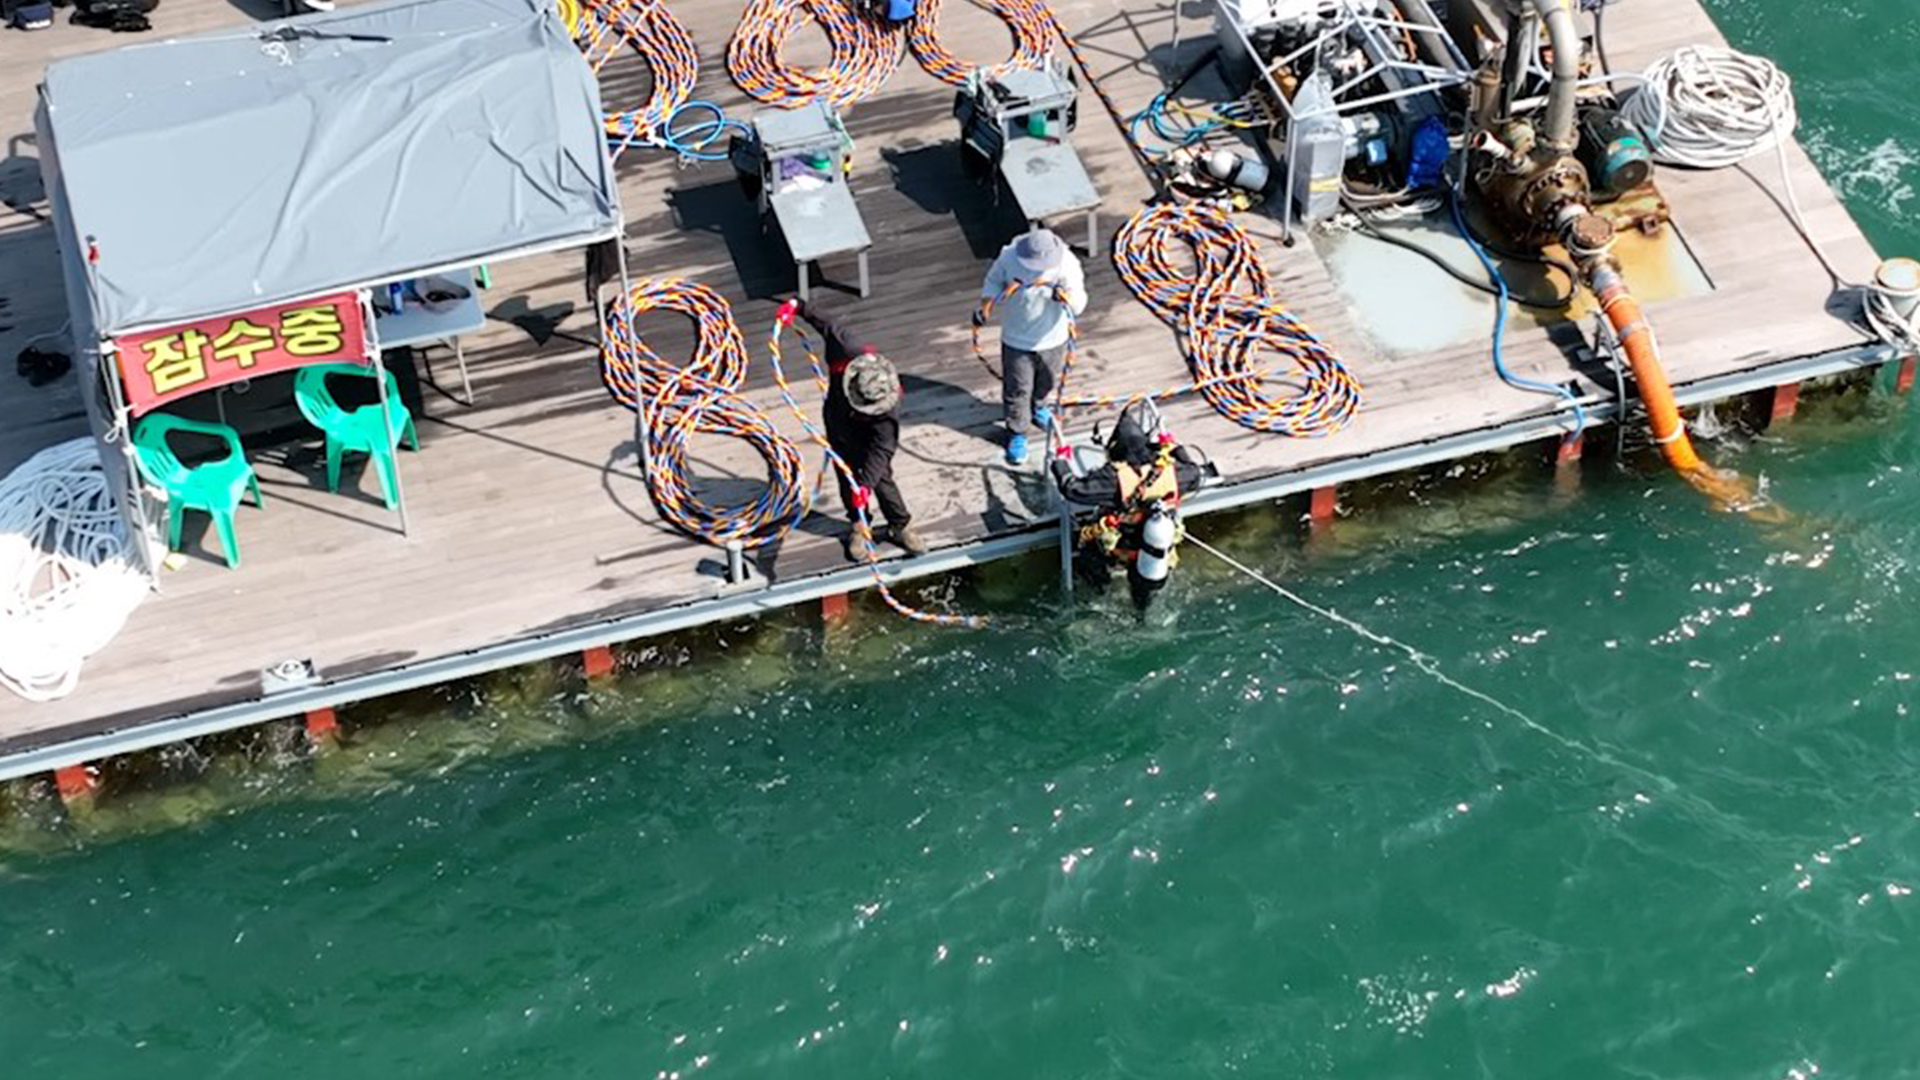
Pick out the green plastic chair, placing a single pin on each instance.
(358, 430)
(215, 486)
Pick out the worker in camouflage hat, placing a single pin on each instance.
(862, 394)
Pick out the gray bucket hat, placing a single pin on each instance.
(1039, 251)
(873, 386)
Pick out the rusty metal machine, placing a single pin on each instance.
(1543, 160)
(1496, 110)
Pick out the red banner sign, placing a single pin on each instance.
(165, 365)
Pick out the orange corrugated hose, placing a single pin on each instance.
(1663, 413)
(1730, 491)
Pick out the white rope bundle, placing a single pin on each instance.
(1708, 108)
(68, 576)
(1884, 318)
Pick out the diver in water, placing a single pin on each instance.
(1137, 495)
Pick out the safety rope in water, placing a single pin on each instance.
(1216, 294)
(1427, 664)
(602, 27)
(702, 396)
(866, 51)
(862, 517)
(1030, 21)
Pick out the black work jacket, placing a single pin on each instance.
(867, 442)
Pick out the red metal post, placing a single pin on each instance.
(75, 782)
(1570, 450)
(1904, 381)
(1323, 506)
(1786, 402)
(323, 727)
(1566, 466)
(598, 662)
(834, 608)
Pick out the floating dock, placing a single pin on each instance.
(533, 536)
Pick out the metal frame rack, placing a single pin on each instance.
(1405, 78)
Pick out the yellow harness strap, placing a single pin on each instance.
(1139, 488)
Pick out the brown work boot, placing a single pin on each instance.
(908, 540)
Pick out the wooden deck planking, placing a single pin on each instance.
(514, 501)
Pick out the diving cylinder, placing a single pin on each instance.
(1249, 174)
(1157, 536)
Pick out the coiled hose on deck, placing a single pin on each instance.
(674, 402)
(1062, 399)
(602, 27)
(701, 396)
(1202, 275)
(1030, 22)
(865, 53)
(1225, 310)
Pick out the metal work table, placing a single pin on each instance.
(803, 158)
(821, 222)
(1020, 121)
(417, 324)
(1048, 181)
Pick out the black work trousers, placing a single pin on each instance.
(889, 504)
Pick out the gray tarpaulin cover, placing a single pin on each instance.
(234, 170)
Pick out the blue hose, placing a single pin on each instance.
(694, 140)
(1500, 325)
(1155, 117)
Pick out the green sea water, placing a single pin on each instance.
(1236, 841)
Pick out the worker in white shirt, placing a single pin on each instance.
(1035, 323)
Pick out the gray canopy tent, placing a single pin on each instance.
(212, 175)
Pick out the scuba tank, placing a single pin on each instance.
(1235, 170)
(1158, 534)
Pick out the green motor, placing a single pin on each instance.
(1615, 153)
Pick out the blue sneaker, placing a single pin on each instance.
(1043, 416)
(1017, 450)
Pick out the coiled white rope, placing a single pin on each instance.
(68, 576)
(1706, 107)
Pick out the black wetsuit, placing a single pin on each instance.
(866, 443)
(1101, 489)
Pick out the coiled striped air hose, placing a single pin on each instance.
(865, 53)
(1030, 22)
(1062, 399)
(702, 396)
(674, 402)
(1202, 275)
(602, 27)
